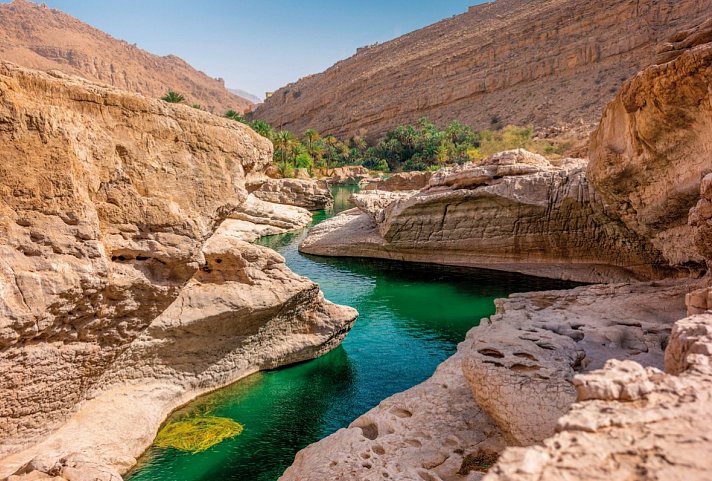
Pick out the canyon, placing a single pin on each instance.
(38, 37)
(130, 283)
(549, 63)
(609, 381)
(128, 287)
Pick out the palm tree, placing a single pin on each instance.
(285, 142)
(173, 97)
(263, 128)
(311, 136)
(331, 141)
(231, 114)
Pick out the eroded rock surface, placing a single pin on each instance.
(541, 63)
(632, 422)
(514, 212)
(402, 181)
(309, 194)
(124, 294)
(428, 431)
(653, 147)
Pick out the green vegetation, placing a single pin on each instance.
(197, 434)
(408, 147)
(173, 97)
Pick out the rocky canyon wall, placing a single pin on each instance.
(35, 36)
(599, 382)
(125, 292)
(540, 63)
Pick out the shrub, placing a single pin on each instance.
(173, 97)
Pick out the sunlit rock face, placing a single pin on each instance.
(515, 211)
(124, 291)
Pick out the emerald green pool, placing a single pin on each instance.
(411, 318)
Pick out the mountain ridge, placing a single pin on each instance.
(36, 36)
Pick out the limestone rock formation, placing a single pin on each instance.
(523, 360)
(35, 36)
(511, 61)
(347, 175)
(402, 181)
(119, 299)
(430, 430)
(516, 211)
(257, 218)
(309, 194)
(653, 147)
(632, 422)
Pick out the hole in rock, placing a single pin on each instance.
(494, 363)
(142, 258)
(523, 368)
(491, 353)
(526, 355)
(219, 261)
(401, 413)
(378, 449)
(545, 345)
(370, 431)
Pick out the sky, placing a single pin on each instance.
(259, 45)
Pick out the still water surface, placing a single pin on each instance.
(411, 318)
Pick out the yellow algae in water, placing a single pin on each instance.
(197, 434)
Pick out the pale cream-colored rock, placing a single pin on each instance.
(309, 194)
(106, 199)
(523, 360)
(257, 218)
(632, 422)
(653, 147)
(347, 175)
(119, 300)
(401, 181)
(423, 433)
(244, 311)
(513, 212)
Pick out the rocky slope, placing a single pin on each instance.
(519, 61)
(38, 37)
(572, 381)
(515, 212)
(125, 293)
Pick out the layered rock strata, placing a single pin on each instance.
(515, 212)
(309, 194)
(521, 364)
(653, 147)
(122, 296)
(509, 61)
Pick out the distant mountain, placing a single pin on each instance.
(247, 95)
(46, 39)
(542, 62)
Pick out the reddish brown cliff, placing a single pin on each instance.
(540, 63)
(38, 37)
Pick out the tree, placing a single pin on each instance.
(285, 143)
(173, 97)
(231, 114)
(330, 142)
(263, 128)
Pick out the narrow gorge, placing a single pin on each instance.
(516, 317)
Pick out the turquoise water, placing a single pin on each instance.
(411, 318)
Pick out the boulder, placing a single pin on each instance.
(309, 194)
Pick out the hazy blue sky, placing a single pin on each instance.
(259, 45)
